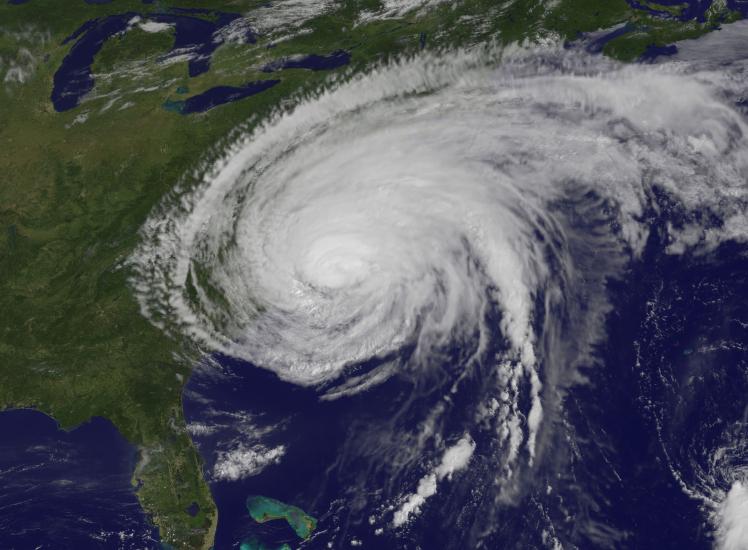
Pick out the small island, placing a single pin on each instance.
(263, 509)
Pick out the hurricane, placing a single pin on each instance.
(454, 223)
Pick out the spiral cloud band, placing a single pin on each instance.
(376, 226)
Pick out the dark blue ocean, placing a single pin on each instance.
(68, 489)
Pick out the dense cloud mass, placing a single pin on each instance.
(379, 224)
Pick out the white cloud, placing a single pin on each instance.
(455, 458)
(155, 26)
(200, 429)
(285, 15)
(732, 533)
(242, 461)
(397, 8)
(347, 228)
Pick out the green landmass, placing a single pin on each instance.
(263, 509)
(647, 30)
(76, 187)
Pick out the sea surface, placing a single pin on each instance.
(68, 489)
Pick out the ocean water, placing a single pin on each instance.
(68, 489)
